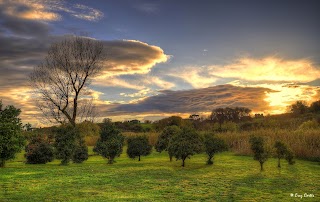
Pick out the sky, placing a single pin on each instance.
(170, 57)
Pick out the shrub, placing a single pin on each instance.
(213, 145)
(138, 146)
(80, 153)
(39, 150)
(185, 144)
(258, 147)
(110, 143)
(164, 137)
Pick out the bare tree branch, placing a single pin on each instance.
(59, 81)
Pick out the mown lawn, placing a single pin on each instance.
(231, 178)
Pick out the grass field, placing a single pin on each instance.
(231, 178)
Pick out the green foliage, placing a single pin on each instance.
(11, 138)
(80, 153)
(39, 150)
(69, 145)
(281, 151)
(138, 146)
(185, 144)
(289, 157)
(213, 145)
(87, 128)
(164, 137)
(170, 121)
(110, 143)
(259, 149)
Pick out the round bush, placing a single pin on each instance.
(39, 151)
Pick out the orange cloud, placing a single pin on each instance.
(268, 69)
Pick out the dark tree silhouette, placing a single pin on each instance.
(299, 107)
(236, 114)
(61, 79)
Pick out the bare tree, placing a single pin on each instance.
(60, 82)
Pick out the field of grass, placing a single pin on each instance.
(231, 178)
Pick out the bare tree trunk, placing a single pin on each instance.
(261, 166)
(2, 163)
(279, 166)
(183, 159)
(139, 157)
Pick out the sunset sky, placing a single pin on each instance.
(171, 57)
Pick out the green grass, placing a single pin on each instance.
(231, 178)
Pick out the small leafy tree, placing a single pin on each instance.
(80, 152)
(260, 152)
(65, 143)
(281, 150)
(164, 137)
(138, 146)
(185, 144)
(11, 138)
(39, 150)
(70, 145)
(110, 143)
(289, 157)
(213, 145)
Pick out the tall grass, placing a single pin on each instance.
(304, 143)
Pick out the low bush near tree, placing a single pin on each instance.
(39, 150)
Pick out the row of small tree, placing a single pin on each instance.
(261, 153)
(67, 146)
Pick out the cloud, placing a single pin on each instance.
(197, 77)
(284, 94)
(87, 13)
(131, 57)
(47, 10)
(268, 69)
(197, 100)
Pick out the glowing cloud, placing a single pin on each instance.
(268, 69)
(197, 77)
